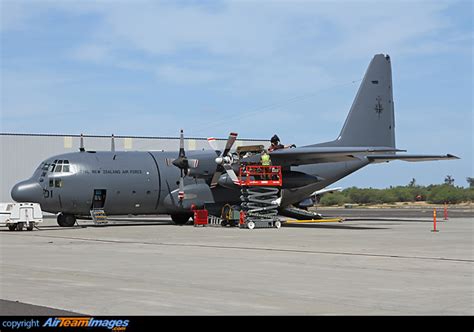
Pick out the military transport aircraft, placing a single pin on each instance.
(164, 182)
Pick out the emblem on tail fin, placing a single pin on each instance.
(378, 106)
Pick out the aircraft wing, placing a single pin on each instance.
(316, 155)
(408, 157)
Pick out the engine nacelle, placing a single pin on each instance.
(197, 194)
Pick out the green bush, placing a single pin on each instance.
(437, 194)
(448, 194)
(336, 198)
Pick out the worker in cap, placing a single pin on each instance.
(276, 145)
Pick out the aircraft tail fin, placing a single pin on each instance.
(371, 120)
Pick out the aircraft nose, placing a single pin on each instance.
(27, 191)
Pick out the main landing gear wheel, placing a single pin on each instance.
(250, 225)
(12, 227)
(30, 226)
(66, 220)
(180, 219)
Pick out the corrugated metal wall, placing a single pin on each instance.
(21, 153)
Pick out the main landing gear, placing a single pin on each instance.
(180, 219)
(66, 220)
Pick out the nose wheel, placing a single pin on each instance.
(66, 220)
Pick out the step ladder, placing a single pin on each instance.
(214, 221)
(99, 217)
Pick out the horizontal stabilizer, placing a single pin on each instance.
(409, 157)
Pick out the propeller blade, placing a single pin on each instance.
(231, 173)
(81, 147)
(169, 161)
(181, 187)
(230, 141)
(181, 145)
(112, 144)
(213, 143)
(215, 178)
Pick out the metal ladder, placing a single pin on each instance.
(98, 216)
(214, 220)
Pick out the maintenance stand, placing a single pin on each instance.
(260, 195)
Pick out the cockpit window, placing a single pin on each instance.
(58, 166)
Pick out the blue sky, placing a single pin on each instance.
(254, 67)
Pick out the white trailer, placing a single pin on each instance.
(20, 215)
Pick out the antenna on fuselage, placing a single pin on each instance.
(112, 144)
(81, 148)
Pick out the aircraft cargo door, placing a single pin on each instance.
(98, 200)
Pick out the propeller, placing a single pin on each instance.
(224, 161)
(183, 163)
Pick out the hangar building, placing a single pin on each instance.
(22, 153)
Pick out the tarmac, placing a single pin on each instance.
(388, 266)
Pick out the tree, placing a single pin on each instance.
(470, 181)
(449, 180)
(412, 183)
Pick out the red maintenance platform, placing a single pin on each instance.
(259, 175)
